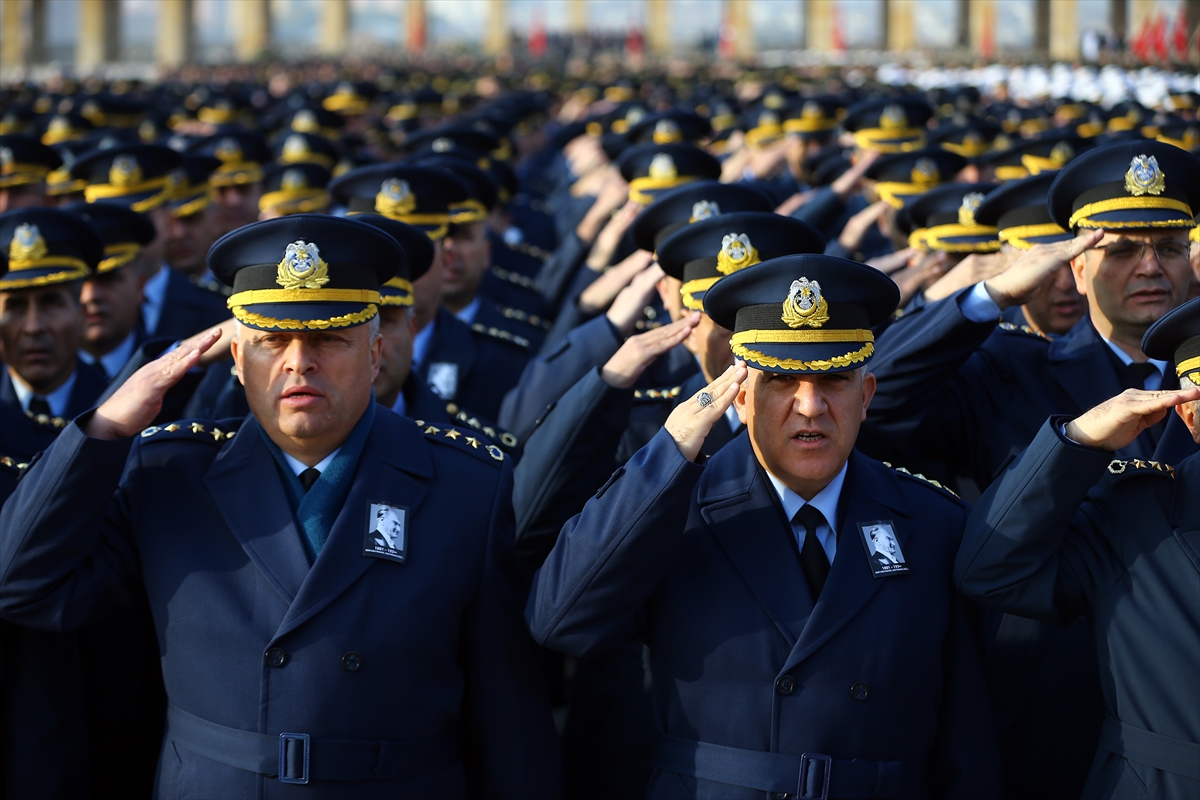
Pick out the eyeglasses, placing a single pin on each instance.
(1127, 251)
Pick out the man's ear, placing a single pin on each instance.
(1078, 266)
(1190, 414)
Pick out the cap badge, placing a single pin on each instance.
(228, 150)
(292, 180)
(972, 139)
(925, 173)
(736, 253)
(667, 131)
(704, 209)
(125, 171)
(805, 306)
(59, 126)
(893, 117)
(634, 116)
(302, 267)
(27, 244)
(812, 110)
(768, 119)
(395, 197)
(1062, 153)
(295, 148)
(662, 167)
(442, 145)
(774, 100)
(1144, 177)
(970, 204)
(305, 121)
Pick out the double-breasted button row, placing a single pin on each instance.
(277, 657)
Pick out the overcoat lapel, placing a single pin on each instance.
(737, 503)
(265, 525)
(394, 460)
(870, 493)
(1082, 367)
(452, 343)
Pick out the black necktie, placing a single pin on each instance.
(309, 477)
(1142, 371)
(38, 405)
(813, 559)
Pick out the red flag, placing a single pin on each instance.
(1160, 37)
(839, 40)
(537, 37)
(987, 44)
(1141, 42)
(635, 45)
(1180, 39)
(727, 42)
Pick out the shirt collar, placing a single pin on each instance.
(114, 360)
(299, 466)
(422, 341)
(1127, 359)
(826, 500)
(57, 400)
(468, 312)
(154, 294)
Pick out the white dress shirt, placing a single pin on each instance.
(826, 502)
(57, 400)
(299, 466)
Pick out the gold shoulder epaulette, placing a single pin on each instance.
(1008, 326)
(48, 421)
(202, 431)
(495, 434)
(921, 477)
(465, 439)
(216, 287)
(13, 464)
(517, 279)
(502, 335)
(524, 316)
(528, 250)
(669, 393)
(1119, 467)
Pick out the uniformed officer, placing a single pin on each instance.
(294, 649)
(1067, 532)
(237, 183)
(782, 660)
(24, 164)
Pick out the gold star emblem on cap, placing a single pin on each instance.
(292, 180)
(295, 148)
(805, 305)
(704, 209)
(662, 166)
(925, 172)
(305, 121)
(893, 117)
(395, 198)
(27, 245)
(1145, 177)
(125, 171)
(736, 253)
(302, 267)
(228, 150)
(1062, 153)
(812, 110)
(970, 204)
(666, 131)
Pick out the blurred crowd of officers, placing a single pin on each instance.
(447, 435)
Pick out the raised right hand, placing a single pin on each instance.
(639, 352)
(1028, 271)
(135, 405)
(690, 422)
(1118, 420)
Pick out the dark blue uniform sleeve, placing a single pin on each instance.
(1033, 546)
(565, 460)
(548, 377)
(512, 749)
(556, 274)
(609, 560)
(824, 211)
(67, 555)
(934, 395)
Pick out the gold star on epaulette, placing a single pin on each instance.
(471, 440)
(171, 428)
(420, 423)
(515, 278)
(452, 434)
(197, 428)
(921, 477)
(1008, 326)
(432, 429)
(12, 463)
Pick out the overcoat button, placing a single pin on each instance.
(276, 657)
(860, 691)
(786, 684)
(780, 795)
(351, 662)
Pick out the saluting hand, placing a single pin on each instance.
(138, 401)
(1028, 271)
(639, 352)
(692, 419)
(1117, 421)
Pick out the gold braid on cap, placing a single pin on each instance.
(818, 365)
(344, 321)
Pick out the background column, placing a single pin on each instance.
(16, 25)
(99, 39)
(176, 41)
(252, 21)
(658, 27)
(495, 35)
(414, 26)
(1064, 30)
(334, 36)
(899, 31)
(818, 25)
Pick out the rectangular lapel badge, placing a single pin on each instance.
(387, 532)
(883, 549)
